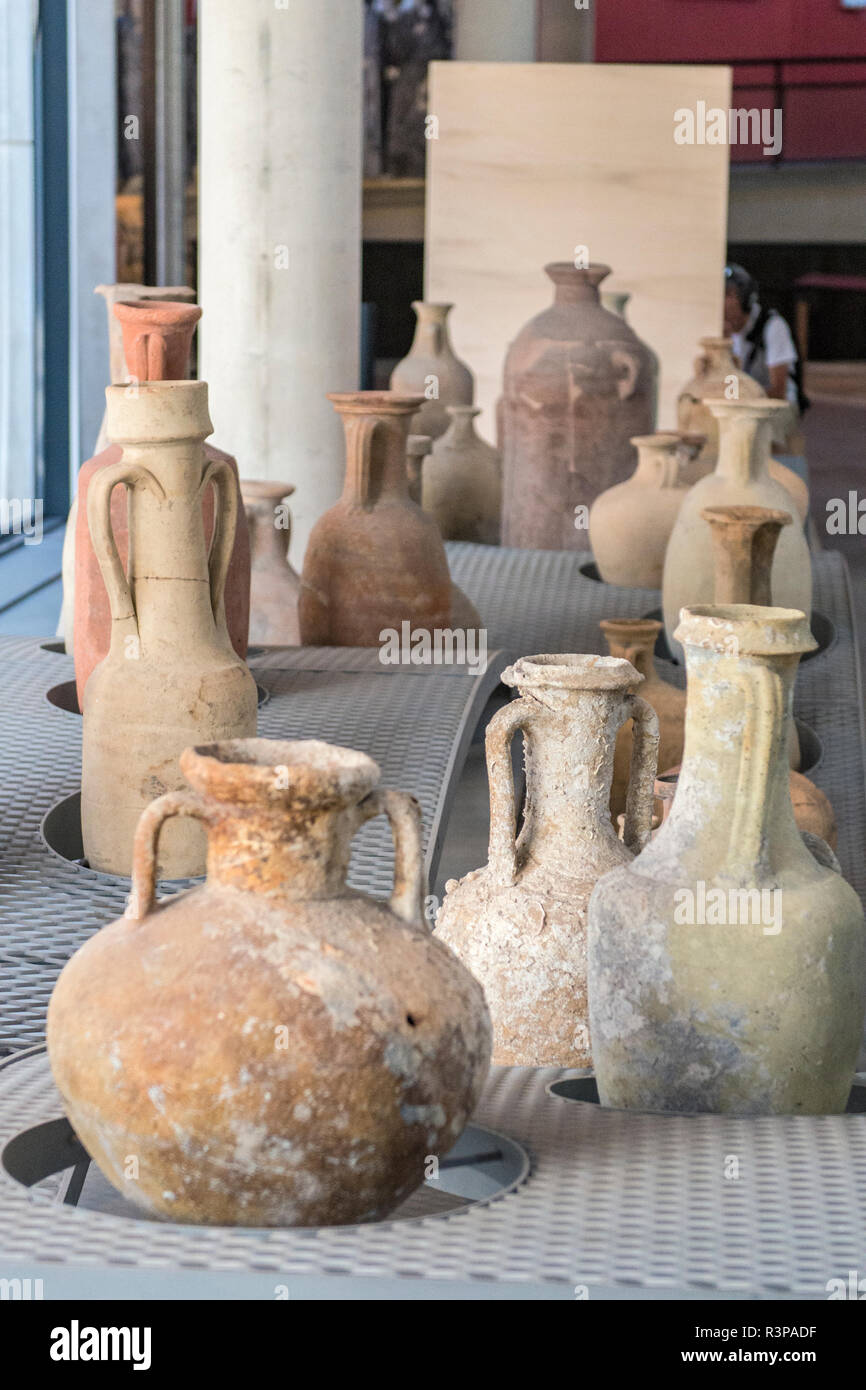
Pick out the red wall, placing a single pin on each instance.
(708, 31)
(824, 103)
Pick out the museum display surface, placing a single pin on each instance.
(433, 842)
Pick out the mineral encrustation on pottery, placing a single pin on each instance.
(273, 1048)
(519, 924)
(727, 962)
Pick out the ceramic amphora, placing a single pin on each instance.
(275, 587)
(274, 1048)
(171, 675)
(578, 386)
(433, 371)
(519, 924)
(630, 524)
(461, 483)
(727, 965)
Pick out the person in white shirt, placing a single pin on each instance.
(765, 348)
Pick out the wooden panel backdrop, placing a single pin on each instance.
(535, 159)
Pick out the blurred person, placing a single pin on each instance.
(765, 348)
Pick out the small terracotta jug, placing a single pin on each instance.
(630, 524)
(433, 371)
(274, 1048)
(462, 482)
(718, 376)
(741, 478)
(744, 543)
(274, 586)
(519, 924)
(159, 334)
(170, 675)
(418, 446)
(578, 385)
(633, 640)
(727, 962)
(375, 559)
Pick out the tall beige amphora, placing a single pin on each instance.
(432, 369)
(519, 924)
(461, 483)
(171, 676)
(741, 478)
(727, 962)
(630, 523)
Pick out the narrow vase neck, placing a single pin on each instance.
(736, 736)
(431, 331)
(376, 459)
(297, 854)
(744, 448)
(657, 467)
(569, 749)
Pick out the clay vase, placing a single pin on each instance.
(616, 302)
(813, 811)
(717, 376)
(275, 1049)
(462, 482)
(274, 586)
(630, 524)
(741, 478)
(578, 386)
(158, 336)
(519, 924)
(171, 675)
(727, 963)
(633, 640)
(744, 543)
(117, 375)
(418, 446)
(433, 371)
(375, 559)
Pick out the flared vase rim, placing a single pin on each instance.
(745, 629)
(375, 402)
(565, 272)
(162, 313)
(260, 490)
(279, 771)
(758, 409)
(743, 514)
(661, 439)
(577, 671)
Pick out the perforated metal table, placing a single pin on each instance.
(616, 1205)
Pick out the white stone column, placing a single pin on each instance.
(17, 260)
(280, 236)
(495, 31)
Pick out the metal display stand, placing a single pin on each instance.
(616, 1204)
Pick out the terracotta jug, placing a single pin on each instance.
(158, 335)
(418, 446)
(741, 478)
(813, 811)
(727, 965)
(630, 524)
(616, 302)
(274, 1048)
(117, 374)
(462, 482)
(578, 386)
(519, 924)
(633, 640)
(375, 559)
(744, 543)
(718, 376)
(171, 675)
(433, 371)
(274, 586)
